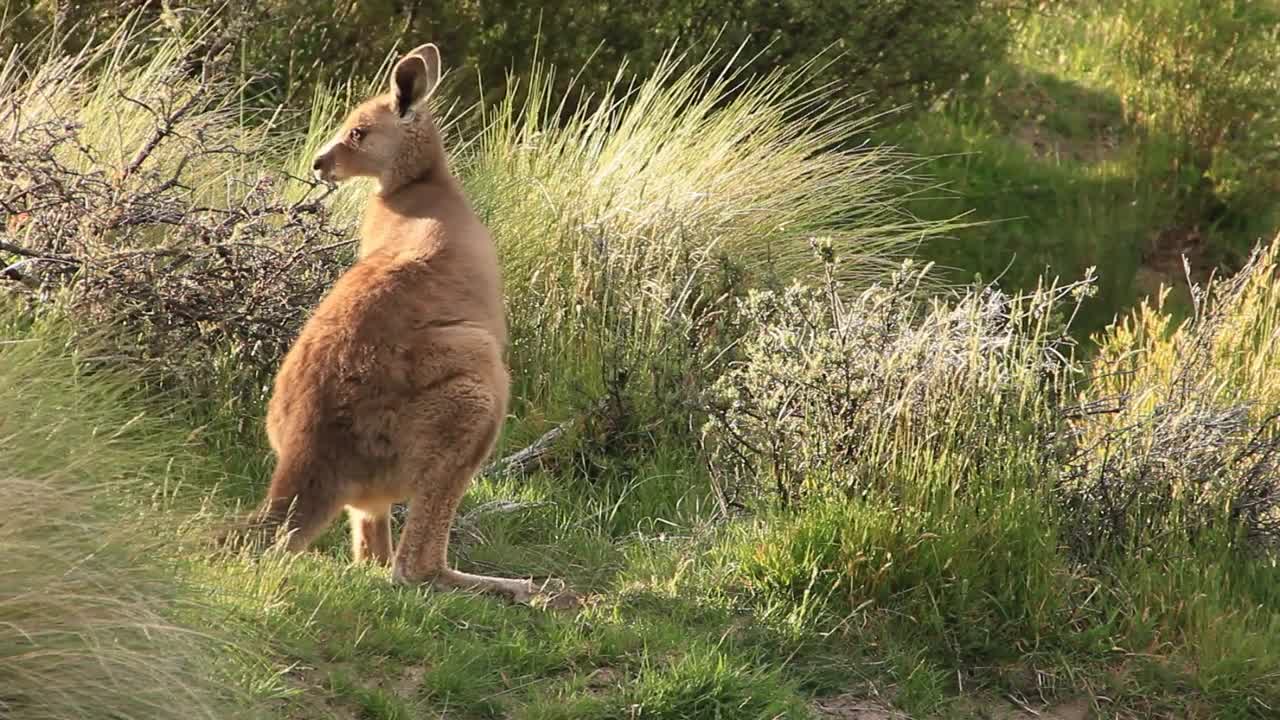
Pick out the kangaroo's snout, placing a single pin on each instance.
(322, 167)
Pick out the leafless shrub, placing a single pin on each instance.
(1183, 437)
(1181, 470)
(143, 205)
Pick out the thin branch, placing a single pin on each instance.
(163, 130)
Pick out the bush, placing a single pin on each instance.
(913, 441)
(895, 49)
(834, 394)
(132, 181)
(1185, 443)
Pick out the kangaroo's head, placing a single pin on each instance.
(390, 137)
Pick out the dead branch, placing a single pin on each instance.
(139, 250)
(534, 456)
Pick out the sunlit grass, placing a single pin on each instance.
(93, 617)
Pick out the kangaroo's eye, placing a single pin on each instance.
(356, 135)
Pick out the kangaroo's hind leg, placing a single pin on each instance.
(460, 430)
(370, 535)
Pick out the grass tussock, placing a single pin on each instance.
(623, 222)
(95, 619)
(1183, 436)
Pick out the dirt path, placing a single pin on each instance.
(852, 707)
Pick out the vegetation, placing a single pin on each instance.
(1118, 135)
(804, 473)
(97, 620)
(896, 49)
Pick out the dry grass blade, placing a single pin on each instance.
(90, 607)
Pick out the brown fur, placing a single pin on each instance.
(396, 388)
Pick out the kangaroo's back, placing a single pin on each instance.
(429, 230)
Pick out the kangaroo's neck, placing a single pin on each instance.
(415, 217)
(423, 161)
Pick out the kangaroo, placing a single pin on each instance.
(395, 389)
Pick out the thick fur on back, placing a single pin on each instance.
(410, 316)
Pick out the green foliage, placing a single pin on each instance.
(894, 49)
(1201, 74)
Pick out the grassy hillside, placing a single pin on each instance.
(101, 617)
(803, 477)
(1123, 136)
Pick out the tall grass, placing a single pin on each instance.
(1229, 348)
(624, 221)
(1186, 439)
(94, 621)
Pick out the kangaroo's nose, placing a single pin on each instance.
(322, 167)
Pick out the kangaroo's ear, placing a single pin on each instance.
(415, 78)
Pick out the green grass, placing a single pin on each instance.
(1045, 152)
(922, 595)
(1044, 215)
(96, 617)
(938, 572)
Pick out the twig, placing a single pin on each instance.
(163, 130)
(525, 459)
(18, 250)
(528, 458)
